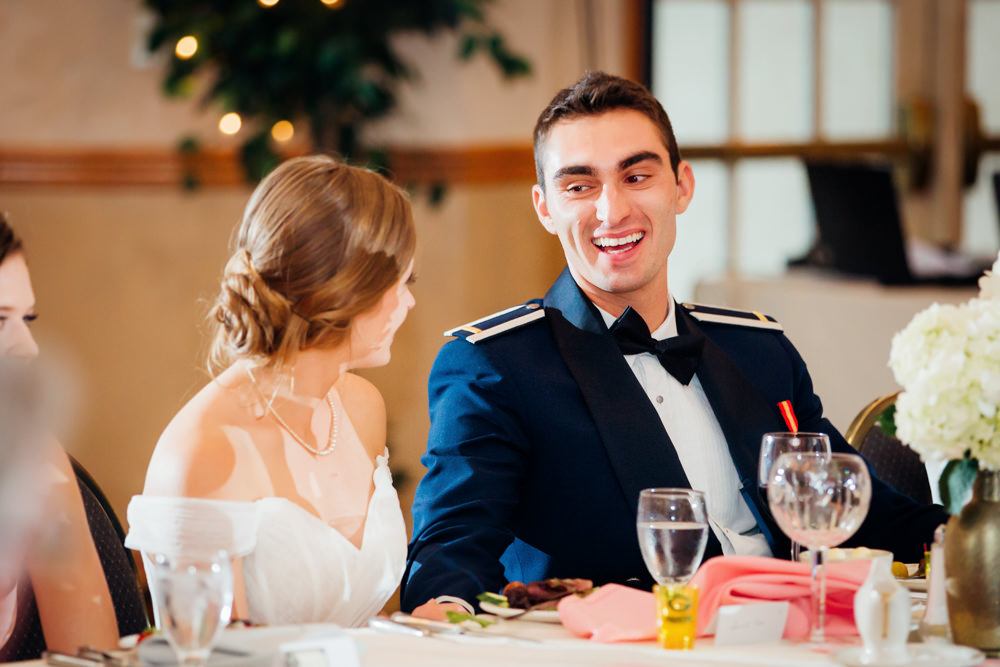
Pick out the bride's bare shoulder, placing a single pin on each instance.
(208, 449)
(366, 410)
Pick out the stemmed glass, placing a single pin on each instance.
(672, 525)
(773, 445)
(194, 602)
(819, 500)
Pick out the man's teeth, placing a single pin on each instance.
(608, 242)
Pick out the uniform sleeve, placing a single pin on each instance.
(475, 461)
(895, 522)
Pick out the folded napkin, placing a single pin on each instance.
(612, 613)
(156, 652)
(731, 580)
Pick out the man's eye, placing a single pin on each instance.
(577, 188)
(636, 178)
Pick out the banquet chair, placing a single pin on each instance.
(27, 640)
(120, 569)
(895, 464)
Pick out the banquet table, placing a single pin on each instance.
(533, 644)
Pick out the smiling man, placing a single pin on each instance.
(547, 419)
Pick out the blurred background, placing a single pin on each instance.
(116, 170)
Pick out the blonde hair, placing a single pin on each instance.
(319, 244)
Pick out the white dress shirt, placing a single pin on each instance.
(701, 446)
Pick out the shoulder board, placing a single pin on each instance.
(740, 318)
(498, 323)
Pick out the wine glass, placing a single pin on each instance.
(672, 525)
(819, 500)
(773, 445)
(194, 602)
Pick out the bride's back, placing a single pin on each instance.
(284, 438)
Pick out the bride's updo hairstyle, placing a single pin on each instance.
(319, 244)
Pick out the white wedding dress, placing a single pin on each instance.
(296, 568)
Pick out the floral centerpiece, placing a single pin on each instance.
(948, 362)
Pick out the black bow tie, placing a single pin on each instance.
(679, 354)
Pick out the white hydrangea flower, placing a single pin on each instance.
(948, 362)
(989, 284)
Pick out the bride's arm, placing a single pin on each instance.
(190, 463)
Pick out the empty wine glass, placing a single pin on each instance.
(773, 445)
(672, 525)
(819, 500)
(194, 602)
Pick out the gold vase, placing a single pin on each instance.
(972, 567)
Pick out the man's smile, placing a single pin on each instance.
(617, 245)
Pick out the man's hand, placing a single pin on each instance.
(436, 611)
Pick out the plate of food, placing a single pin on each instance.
(911, 575)
(533, 601)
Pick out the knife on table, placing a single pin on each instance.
(444, 627)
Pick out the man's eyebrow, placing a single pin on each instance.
(573, 170)
(639, 157)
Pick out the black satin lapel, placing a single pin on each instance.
(744, 416)
(640, 451)
(741, 410)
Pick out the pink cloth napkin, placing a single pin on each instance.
(613, 613)
(619, 614)
(728, 580)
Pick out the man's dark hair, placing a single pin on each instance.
(10, 242)
(597, 93)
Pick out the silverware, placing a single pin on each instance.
(534, 607)
(382, 624)
(443, 627)
(68, 660)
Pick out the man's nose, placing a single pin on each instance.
(612, 206)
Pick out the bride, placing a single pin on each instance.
(281, 459)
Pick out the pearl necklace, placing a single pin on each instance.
(331, 442)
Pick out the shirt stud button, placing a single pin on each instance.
(659, 399)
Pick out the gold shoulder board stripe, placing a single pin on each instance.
(507, 326)
(738, 321)
(471, 326)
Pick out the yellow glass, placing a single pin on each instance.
(677, 615)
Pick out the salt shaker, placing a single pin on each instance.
(934, 626)
(882, 614)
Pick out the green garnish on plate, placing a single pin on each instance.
(494, 598)
(461, 616)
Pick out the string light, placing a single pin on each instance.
(282, 131)
(186, 47)
(268, 3)
(332, 3)
(230, 123)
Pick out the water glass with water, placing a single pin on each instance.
(672, 527)
(194, 602)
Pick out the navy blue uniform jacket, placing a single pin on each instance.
(541, 439)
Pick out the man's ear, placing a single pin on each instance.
(542, 208)
(685, 185)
